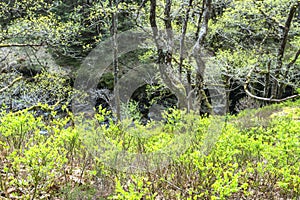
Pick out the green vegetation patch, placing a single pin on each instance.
(49, 158)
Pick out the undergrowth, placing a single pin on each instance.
(255, 155)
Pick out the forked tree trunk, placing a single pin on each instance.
(164, 59)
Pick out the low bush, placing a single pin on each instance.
(184, 156)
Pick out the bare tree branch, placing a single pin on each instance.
(11, 84)
(20, 45)
(4, 57)
(289, 65)
(294, 60)
(262, 98)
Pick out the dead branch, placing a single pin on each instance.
(290, 64)
(262, 98)
(294, 60)
(5, 57)
(11, 84)
(20, 45)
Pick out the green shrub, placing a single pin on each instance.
(191, 157)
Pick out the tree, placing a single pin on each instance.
(68, 29)
(166, 59)
(261, 37)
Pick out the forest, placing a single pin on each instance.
(149, 99)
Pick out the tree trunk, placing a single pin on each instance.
(114, 30)
(182, 38)
(164, 59)
(267, 80)
(277, 87)
(182, 50)
(168, 26)
(201, 96)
